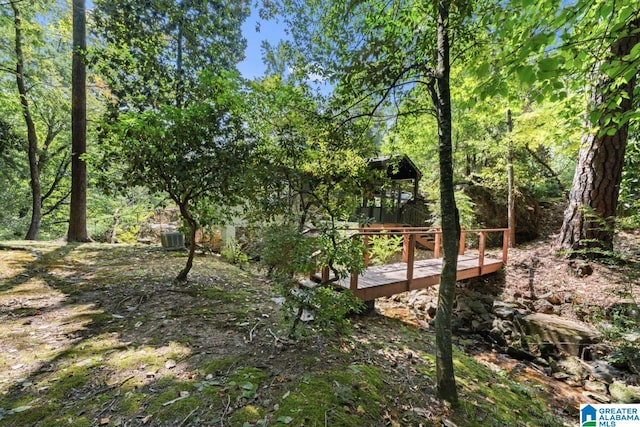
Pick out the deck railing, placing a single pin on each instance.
(412, 234)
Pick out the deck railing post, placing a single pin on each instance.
(505, 246)
(365, 242)
(436, 245)
(463, 238)
(405, 247)
(481, 247)
(411, 255)
(325, 274)
(353, 282)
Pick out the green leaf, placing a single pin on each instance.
(483, 69)
(526, 74)
(549, 64)
(285, 420)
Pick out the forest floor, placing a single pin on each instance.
(99, 335)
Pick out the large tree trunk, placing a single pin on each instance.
(590, 217)
(77, 231)
(511, 197)
(32, 136)
(446, 382)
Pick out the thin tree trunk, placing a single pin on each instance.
(446, 382)
(590, 217)
(32, 136)
(511, 209)
(77, 231)
(193, 227)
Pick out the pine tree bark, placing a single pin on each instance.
(77, 231)
(589, 220)
(445, 376)
(32, 136)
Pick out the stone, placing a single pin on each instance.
(603, 371)
(572, 366)
(623, 393)
(566, 335)
(477, 307)
(497, 336)
(543, 306)
(598, 397)
(432, 310)
(595, 386)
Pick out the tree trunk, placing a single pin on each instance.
(446, 382)
(32, 136)
(511, 209)
(77, 231)
(193, 227)
(590, 217)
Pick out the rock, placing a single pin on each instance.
(432, 310)
(497, 336)
(566, 335)
(595, 386)
(543, 306)
(602, 371)
(623, 393)
(504, 312)
(477, 307)
(573, 367)
(581, 268)
(598, 397)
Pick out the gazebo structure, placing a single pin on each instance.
(397, 204)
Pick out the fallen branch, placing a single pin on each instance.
(253, 329)
(175, 400)
(277, 338)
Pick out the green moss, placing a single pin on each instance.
(350, 397)
(490, 398)
(217, 366)
(176, 410)
(69, 379)
(32, 416)
(131, 403)
(247, 414)
(67, 419)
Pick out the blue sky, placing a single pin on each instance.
(271, 31)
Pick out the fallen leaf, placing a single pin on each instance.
(104, 421)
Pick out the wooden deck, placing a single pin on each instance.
(386, 280)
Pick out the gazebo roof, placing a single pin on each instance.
(398, 167)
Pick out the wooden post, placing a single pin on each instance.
(405, 247)
(353, 283)
(411, 256)
(325, 274)
(463, 237)
(481, 248)
(365, 242)
(436, 245)
(505, 246)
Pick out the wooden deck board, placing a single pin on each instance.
(390, 279)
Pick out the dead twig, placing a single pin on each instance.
(277, 338)
(253, 329)
(226, 410)
(170, 402)
(188, 416)
(112, 386)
